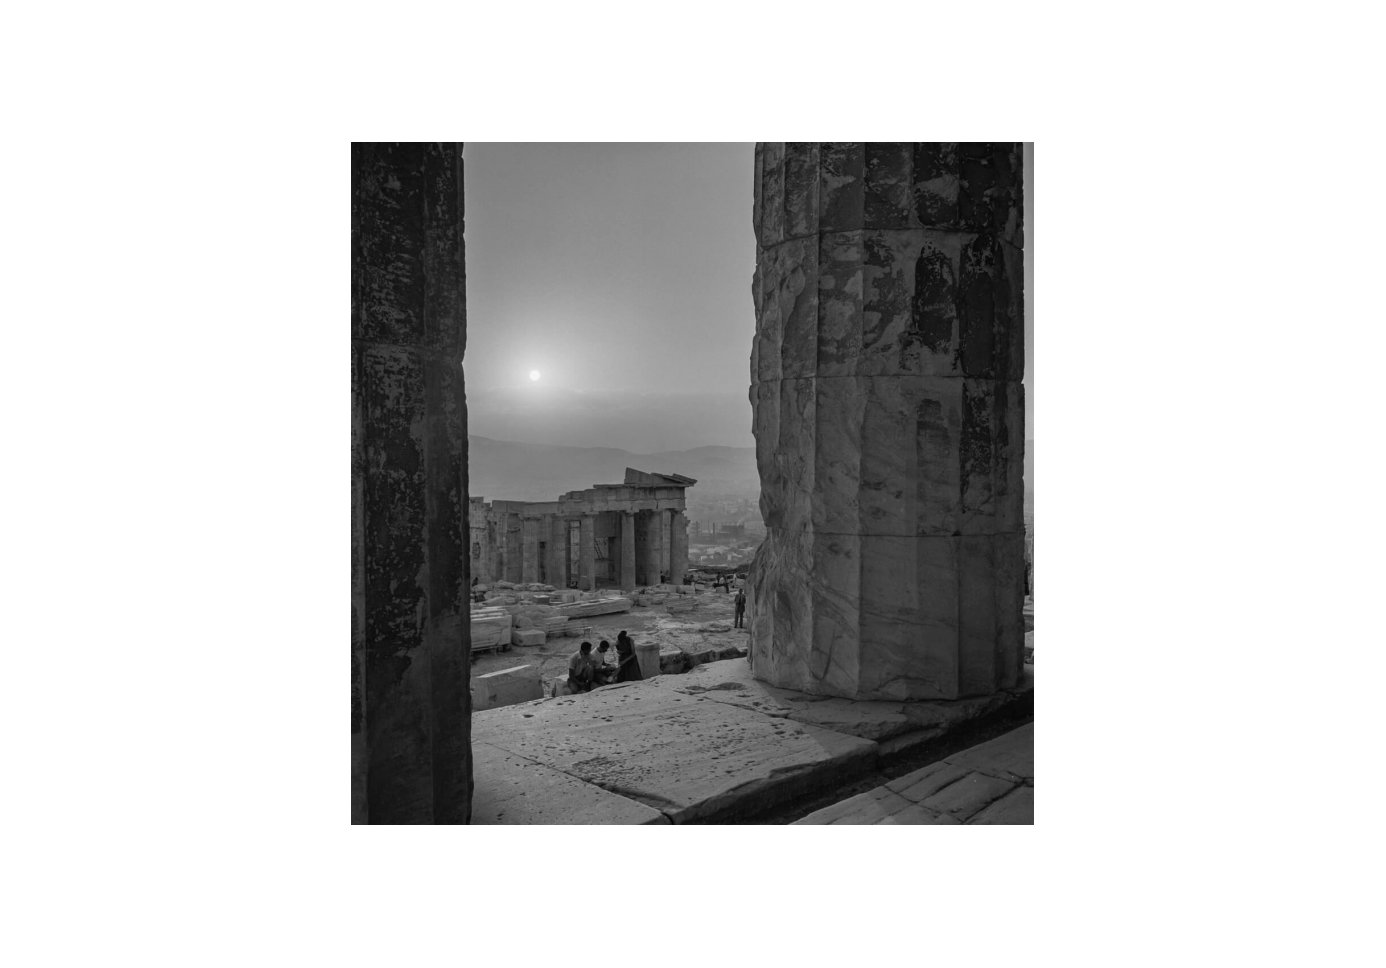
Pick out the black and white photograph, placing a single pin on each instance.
(691, 483)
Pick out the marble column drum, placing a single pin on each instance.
(889, 418)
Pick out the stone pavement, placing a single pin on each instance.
(712, 745)
(992, 783)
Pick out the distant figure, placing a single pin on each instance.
(581, 669)
(629, 668)
(741, 608)
(602, 673)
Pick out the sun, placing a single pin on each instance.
(534, 375)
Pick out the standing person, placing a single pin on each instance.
(741, 608)
(581, 669)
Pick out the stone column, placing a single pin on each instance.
(529, 542)
(557, 564)
(628, 579)
(653, 546)
(678, 547)
(588, 552)
(889, 418)
(410, 638)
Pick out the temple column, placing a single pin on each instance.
(889, 418)
(653, 546)
(410, 635)
(529, 549)
(587, 553)
(678, 547)
(557, 561)
(628, 579)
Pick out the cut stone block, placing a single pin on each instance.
(597, 606)
(490, 627)
(528, 637)
(1016, 807)
(506, 687)
(647, 654)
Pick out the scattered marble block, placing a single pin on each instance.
(597, 606)
(528, 636)
(647, 653)
(490, 628)
(506, 687)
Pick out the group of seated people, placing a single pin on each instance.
(588, 669)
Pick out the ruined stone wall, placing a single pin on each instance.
(889, 418)
(410, 700)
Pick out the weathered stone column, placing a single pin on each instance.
(628, 579)
(587, 554)
(557, 561)
(654, 546)
(410, 704)
(529, 540)
(678, 545)
(889, 418)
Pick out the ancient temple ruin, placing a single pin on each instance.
(607, 536)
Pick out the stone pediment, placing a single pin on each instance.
(646, 479)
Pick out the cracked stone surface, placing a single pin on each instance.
(991, 783)
(687, 757)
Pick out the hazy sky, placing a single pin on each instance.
(622, 274)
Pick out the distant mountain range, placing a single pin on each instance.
(508, 470)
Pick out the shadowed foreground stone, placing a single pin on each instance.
(889, 419)
(991, 783)
(410, 707)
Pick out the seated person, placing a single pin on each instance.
(603, 673)
(581, 669)
(629, 668)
